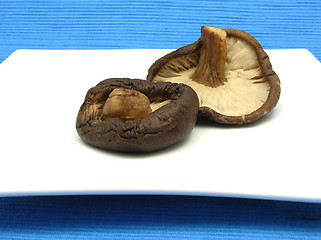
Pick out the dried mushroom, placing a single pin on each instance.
(132, 115)
(229, 71)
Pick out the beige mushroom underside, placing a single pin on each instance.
(245, 89)
(158, 104)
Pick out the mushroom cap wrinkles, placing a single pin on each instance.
(163, 127)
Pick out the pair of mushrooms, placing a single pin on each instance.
(224, 76)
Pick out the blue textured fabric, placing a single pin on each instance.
(156, 217)
(141, 24)
(93, 24)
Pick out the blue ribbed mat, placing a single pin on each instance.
(86, 24)
(156, 217)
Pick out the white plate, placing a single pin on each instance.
(277, 157)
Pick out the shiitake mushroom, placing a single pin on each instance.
(225, 76)
(133, 115)
(230, 72)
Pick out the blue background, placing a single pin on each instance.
(93, 24)
(85, 24)
(156, 217)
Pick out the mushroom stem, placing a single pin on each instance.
(210, 70)
(127, 104)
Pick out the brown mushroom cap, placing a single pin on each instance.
(230, 72)
(175, 116)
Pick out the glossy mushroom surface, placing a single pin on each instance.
(230, 72)
(133, 115)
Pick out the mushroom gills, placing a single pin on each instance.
(244, 89)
